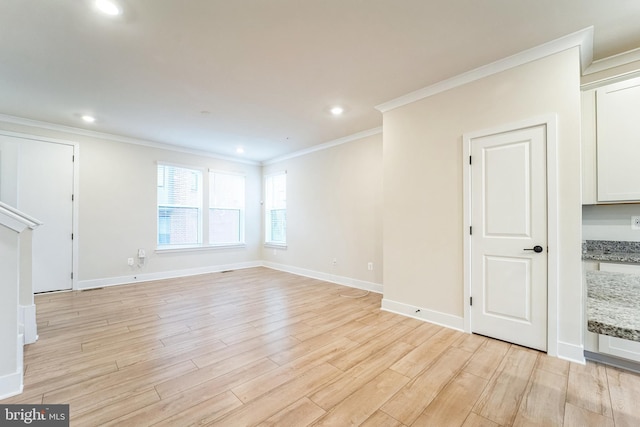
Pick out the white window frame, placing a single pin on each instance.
(203, 224)
(267, 212)
(200, 208)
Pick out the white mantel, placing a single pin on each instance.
(17, 311)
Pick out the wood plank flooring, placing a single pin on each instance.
(262, 347)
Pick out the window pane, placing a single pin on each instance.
(226, 190)
(276, 208)
(278, 225)
(182, 186)
(224, 226)
(179, 205)
(178, 226)
(226, 208)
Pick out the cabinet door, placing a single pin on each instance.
(618, 141)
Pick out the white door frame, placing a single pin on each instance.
(550, 122)
(76, 187)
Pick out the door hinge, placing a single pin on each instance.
(73, 158)
(71, 236)
(72, 197)
(470, 300)
(72, 275)
(470, 230)
(469, 159)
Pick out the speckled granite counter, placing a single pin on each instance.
(613, 304)
(628, 257)
(612, 251)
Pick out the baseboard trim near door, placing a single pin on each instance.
(571, 352)
(147, 277)
(12, 384)
(431, 316)
(27, 318)
(332, 278)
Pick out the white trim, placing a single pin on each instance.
(195, 248)
(324, 146)
(13, 383)
(613, 61)
(610, 80)
(275, 245)
(571, 352)
(119, 138)
(75, 262)
(550, 121)
(27, 318)
(332, 278)
(146, 277)
(582, 38)
(16, 220)
(10, 385)
(431, 316)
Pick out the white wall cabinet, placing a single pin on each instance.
(618, 141)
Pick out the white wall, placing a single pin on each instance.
(334, 210)
(8, 171)
(117, 210)
(423, 206)
(610, 222)
(9, 369)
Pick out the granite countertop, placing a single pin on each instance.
(628, 257)
(613, 304)
(611, 250)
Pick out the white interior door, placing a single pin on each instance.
(509, 220)
(45, 189)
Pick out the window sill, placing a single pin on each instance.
(193, 248)
(275, 245)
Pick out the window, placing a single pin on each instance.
(179, 206)
(226, 208)
(276, 208)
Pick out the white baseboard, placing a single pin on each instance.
(431, 316)
(12, 384)
(571, 352)
(332, 278)
(147, 277)
(27, 318)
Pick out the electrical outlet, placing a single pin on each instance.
(635, 222)
(335, 261)
(370, 266)
(130, 262)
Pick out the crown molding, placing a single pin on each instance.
(325, 145)
(119, 138)
(583, 39)
(618, 60)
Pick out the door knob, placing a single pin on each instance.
(537, 249)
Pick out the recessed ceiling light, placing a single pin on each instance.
(240, 150)
(336, 111)
(108, 7)
(88, 119)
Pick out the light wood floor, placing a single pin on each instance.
(261, 347)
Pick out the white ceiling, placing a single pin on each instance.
(213, 75)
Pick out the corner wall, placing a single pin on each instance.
(334, 211)
(423, 204)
